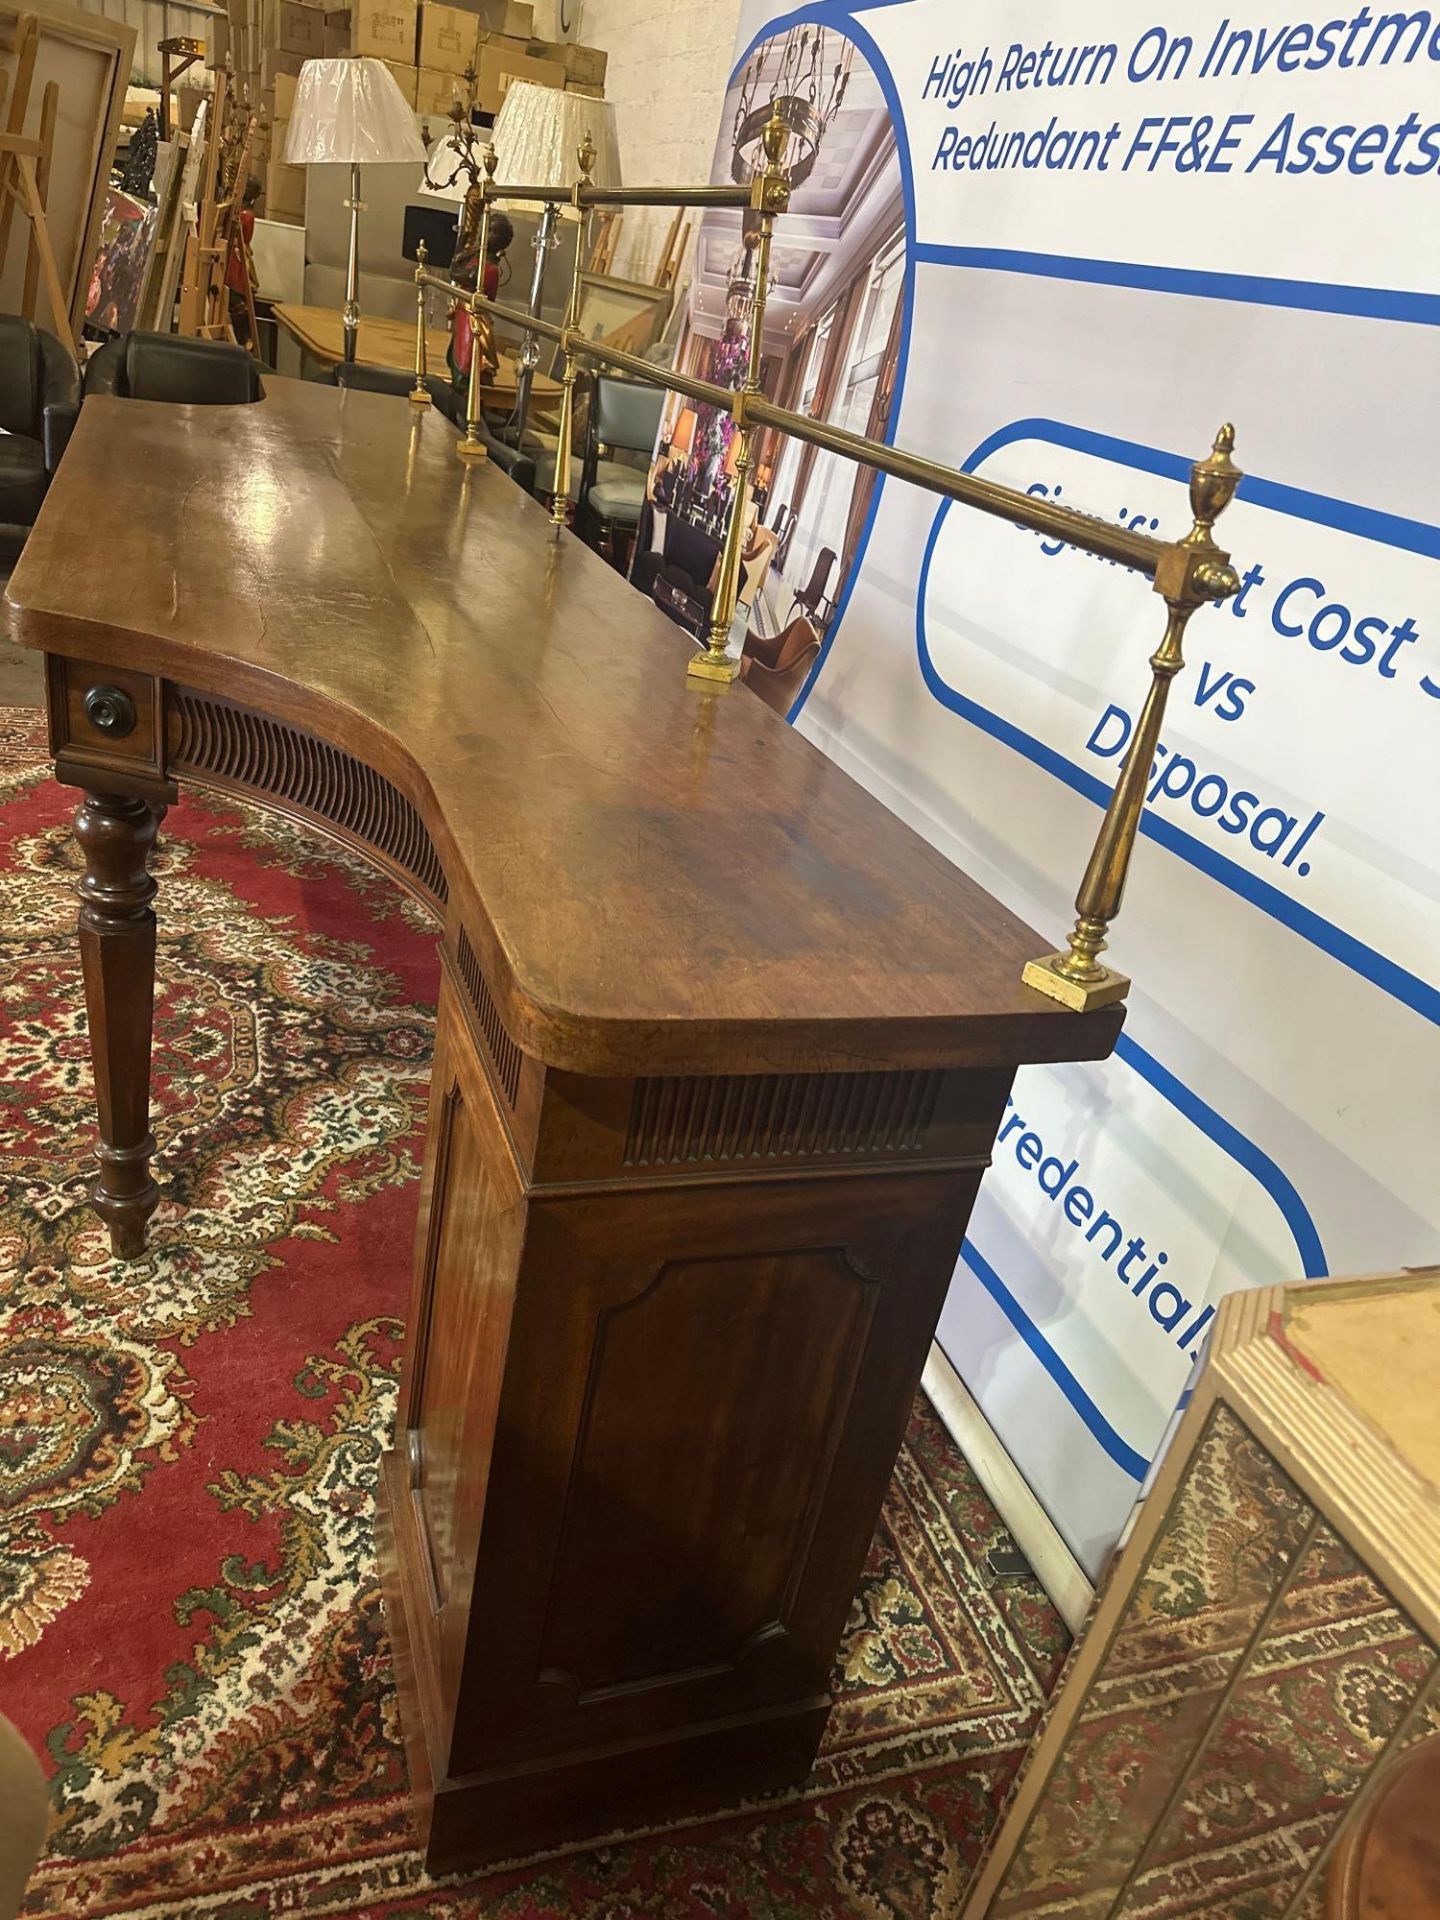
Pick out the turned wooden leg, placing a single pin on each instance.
(117, 948)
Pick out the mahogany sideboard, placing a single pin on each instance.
(722, 1050)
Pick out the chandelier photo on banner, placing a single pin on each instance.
(804, 73)
(832, 297)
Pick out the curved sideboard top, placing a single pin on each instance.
(657, 876)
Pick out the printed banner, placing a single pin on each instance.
(1059, 246)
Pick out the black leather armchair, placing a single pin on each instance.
(39, 400)
(165, 366)
(519, 465)
(675, 567)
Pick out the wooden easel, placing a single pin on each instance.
(184, 52)
(204, 306)
(25, 178)
(676, 242)
(607, 238)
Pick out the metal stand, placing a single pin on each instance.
(530, 352)
(352, 270)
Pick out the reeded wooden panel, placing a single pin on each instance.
(779, 1116)
(280, 761)
(699, 1469)
(505, 1056)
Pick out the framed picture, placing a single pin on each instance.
(122, 260)
(627, 314)
(86, 58)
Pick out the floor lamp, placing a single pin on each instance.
(351, 113)
(538, 132)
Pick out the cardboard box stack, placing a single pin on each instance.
(428, 45)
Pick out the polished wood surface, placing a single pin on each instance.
(320, 331)
(659, 879)
(721, 1053)
(1387, 1866)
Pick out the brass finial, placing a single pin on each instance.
(775, 138)
(489, 160)
(585, 154)
(422, 254)
(770, 185)
(1212, 486)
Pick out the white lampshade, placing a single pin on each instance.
(350, 113)
(538, 131)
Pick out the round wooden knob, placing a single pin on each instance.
(110, 710)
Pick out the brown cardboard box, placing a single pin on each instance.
(515, 17)
(590, 93)
(503, 60)
(284, 191)
(337, 33)
(406, 78)
(273, 63)
(280, 96)
(291, 27)
(217, 42)
(447, 38)
(385, 29)
(583, 65)
(435, 90)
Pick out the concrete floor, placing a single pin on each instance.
(22, 678)
(22, 674)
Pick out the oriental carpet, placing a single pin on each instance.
(190, 1622)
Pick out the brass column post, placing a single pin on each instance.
(472, 447)
(560, 499)
(772, 195)
(420, 393)
(1191, 572)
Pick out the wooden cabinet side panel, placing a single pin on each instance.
(705, 1393)
(470, 1241)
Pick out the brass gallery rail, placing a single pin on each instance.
(1187, 573)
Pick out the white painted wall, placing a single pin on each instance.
(669, 67)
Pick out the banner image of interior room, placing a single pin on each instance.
(834, 318)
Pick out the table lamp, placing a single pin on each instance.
(538, 132)
(351, 113)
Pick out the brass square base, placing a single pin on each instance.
(419, 397)
(1042, 975)
(473, 450)
(719, 672)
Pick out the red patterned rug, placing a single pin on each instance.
(190, 1621)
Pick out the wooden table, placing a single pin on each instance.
(722, 1050)
(320, 332)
